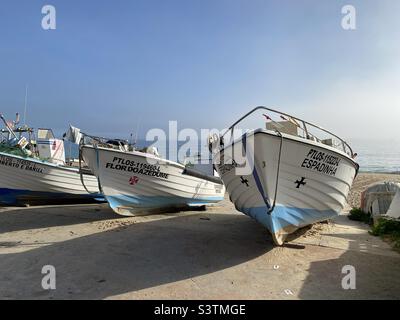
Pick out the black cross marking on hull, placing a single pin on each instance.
(300, 183)
(243, 180)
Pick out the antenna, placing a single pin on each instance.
(137, 131)
(26, 102)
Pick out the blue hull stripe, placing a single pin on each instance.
(16, 196)
(283, 216)
(157, 201)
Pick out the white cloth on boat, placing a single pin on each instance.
(153, 150)
(73, 134)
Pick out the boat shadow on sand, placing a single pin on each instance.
(28, 218)
(134, 257)
(162, 252)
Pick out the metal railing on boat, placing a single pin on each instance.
(306, 125)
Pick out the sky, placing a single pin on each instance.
(111, 67)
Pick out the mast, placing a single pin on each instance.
(26, 102)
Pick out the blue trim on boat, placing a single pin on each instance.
(18, 196)
(140, 201)
(284, 216)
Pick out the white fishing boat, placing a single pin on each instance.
(34, 171)
(286, 174)
(135, 182)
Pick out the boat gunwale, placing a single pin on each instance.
(148, 155)
(344, 143)
(296, 139)
(136, 153)
(46, 163)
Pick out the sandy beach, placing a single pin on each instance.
(363, 180)
(213, 254)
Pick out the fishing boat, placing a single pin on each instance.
(287, 173)
(35, 171)
(140, 181)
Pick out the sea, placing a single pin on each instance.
(377, 155)
(372, 155)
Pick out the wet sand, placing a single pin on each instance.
(215, 254)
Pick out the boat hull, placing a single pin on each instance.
(138, 183)
(25, 181)
(311, 183)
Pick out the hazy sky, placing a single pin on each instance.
(112, 64)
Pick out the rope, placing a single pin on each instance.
(277, 173)
(80, 167)
(98, 167)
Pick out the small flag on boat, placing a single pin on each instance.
(273, 123)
